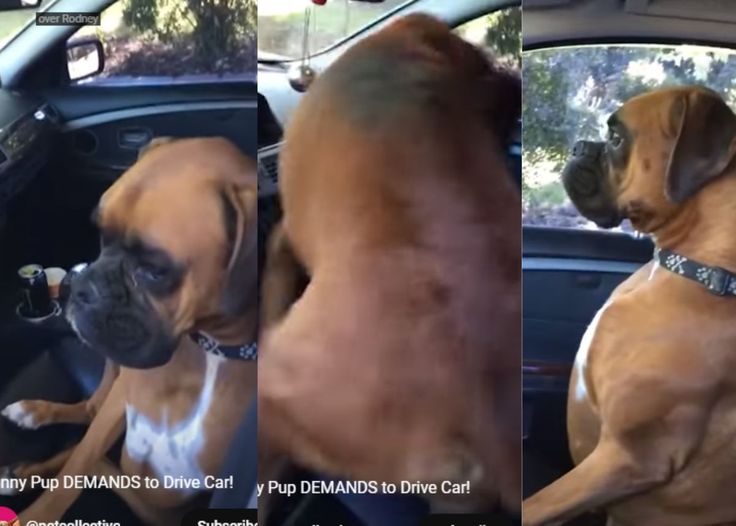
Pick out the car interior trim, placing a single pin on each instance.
(118, 115)
(578, 265)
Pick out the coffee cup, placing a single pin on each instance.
(54, 277)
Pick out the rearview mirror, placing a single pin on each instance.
(16, 5)
(85, 58)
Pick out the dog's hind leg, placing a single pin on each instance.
(32, 414)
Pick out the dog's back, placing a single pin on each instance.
(397, 200)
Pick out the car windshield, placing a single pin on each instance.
(281, 24)
(569, 93)
(11, 22)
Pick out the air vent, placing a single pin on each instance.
(268, 170)
(271, 168)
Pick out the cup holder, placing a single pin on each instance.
(55, 311)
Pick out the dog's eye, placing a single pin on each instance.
(614, 138)
(150, 273)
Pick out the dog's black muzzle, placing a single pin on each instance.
(113, 317)
(586, 181)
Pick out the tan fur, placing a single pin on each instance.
(182, 226)
(401, 359)
(170, 199)
(653, 438)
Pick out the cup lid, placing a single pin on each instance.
(30, 271)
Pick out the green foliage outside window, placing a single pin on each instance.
(570, 92)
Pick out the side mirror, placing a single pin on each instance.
(15, 5)
(85, 58)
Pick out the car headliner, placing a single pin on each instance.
(550, 23)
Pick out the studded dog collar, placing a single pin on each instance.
(248, 352)
(716, 280)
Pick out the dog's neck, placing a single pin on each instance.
(702, 228)
(231, 330)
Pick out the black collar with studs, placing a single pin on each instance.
(716, 280)
(247, 352)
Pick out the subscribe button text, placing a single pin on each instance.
(238, 517)
(241, 517)
(491, 519)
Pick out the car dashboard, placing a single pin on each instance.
(25, 124)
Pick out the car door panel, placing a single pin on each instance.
(103, 129)
(75, 102)
(560, 302)
(568, 275)
(107, 143)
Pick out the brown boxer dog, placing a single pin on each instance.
(171, 301)
(652, 403)
(401, 359)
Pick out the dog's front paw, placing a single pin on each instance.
(26, 414)
(7, 487)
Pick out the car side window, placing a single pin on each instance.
(499, 33)
(149, 41)
(281, 24)
(569, 93)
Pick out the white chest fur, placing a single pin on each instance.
(581, 359)
(172, 448)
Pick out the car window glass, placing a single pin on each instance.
(146, 41)
(499, 33)
(569, 93)
(281, 24)
(11, 22)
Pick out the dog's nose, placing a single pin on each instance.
(587, 149)
(83, 288)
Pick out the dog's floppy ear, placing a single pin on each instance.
(504, 100)
(154, 143)
(498, 87)
(705, 143)
(240, 210)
